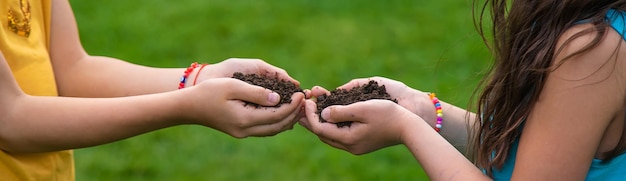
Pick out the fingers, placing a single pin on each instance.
(354, 83)
(277, 127)
(342, 138)
(362, 112)
(273, 116)
(358, 82)
(246, 92)
(352, 112)
(250, 65)
(270, 70)
(310, 116)
(313, 124)
(318, 91)
(330, 133)
(307, 93)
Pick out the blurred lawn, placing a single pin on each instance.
(429, 45)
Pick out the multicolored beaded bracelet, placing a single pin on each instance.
(186, 74)
(439, 111)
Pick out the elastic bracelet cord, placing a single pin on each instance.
(186, 75)
(439, 111)
(197, 74)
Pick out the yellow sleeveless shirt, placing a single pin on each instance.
(24, 41)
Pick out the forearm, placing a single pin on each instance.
(455, 120)
(40, 124)
(95, 76)
(439, 159)
(456, 125)
(80, 75)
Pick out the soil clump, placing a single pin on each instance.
(365, 92)
(284, 88)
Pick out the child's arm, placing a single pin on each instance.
(456, 126)
(381, 123)
(80, 75)
(41, 124)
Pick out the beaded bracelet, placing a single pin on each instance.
(438, 109)
(197, 74)
(186, 74)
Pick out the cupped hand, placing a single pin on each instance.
(227, 67)
(219, 103)
(415, 101)
(409, 98)
(376, 124)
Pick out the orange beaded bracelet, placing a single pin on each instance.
(197, 74)
(186, 74)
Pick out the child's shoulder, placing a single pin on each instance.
(610, 46)
(581, 35)
(597, 63)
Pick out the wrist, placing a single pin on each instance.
(196, 74)
(191, 74)
(425, 108)
(411, 129)
(183, 107)
(185, 78)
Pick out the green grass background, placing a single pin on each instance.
(429, 45)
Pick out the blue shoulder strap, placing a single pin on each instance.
(618, 21)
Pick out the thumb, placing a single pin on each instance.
(255, 94)
(337, 114)
(357, 112)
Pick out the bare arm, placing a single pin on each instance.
(456, 126)
(41, 124)
(457, 122)
(81, 75)
(381, 123)
(33, 124)
(439, 159)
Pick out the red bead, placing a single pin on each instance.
(186, 74)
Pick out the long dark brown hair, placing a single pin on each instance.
(522, 36)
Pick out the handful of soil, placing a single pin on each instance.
(365, 92)
(284, 88)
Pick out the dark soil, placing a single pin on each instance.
(284, 88)
(344, 97)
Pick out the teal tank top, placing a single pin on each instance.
(613, 170)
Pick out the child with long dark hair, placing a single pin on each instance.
(552, 107)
